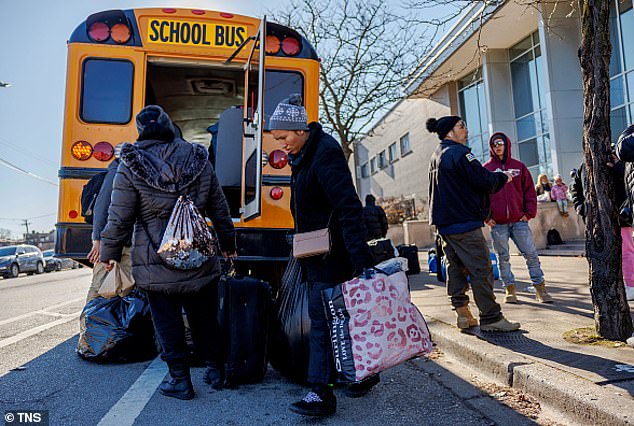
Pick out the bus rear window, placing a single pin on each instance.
(106, 95)
(279, 85)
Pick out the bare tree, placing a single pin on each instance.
(5, 234)
(603, 239)
(366, 49)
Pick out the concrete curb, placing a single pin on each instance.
(580, 400)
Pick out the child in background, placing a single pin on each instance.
(559, 193)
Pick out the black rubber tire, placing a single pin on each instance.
(39, 268)
(14, 271)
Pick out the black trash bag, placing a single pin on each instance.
(290, 337)
(119, 329)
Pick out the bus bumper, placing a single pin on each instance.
(74, 240)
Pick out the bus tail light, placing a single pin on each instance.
(103, 151)
(277, 193)
(99, 32)
(73, 214)
(272, 45)
(120, 33)
(81, 150)
(278, 159)
(291, 46)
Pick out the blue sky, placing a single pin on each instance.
(31, 110)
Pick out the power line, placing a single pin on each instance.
(26, 172)
(28, 153)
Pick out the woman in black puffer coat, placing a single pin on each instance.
(153, 173)
(322, 196)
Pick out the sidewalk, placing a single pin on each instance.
(589, 384)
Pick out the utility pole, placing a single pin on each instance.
(26, 224)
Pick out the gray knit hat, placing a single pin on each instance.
(289, 114)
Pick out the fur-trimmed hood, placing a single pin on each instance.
(166, 166)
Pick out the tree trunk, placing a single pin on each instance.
(603, 238)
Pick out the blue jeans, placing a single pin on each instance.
(321, 364)
(522, 236)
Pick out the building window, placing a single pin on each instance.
(527, 78)
(373, 165)
(473, 109)
(621, 66)
(393, 153)
(382, 163)
(406, 148)
(364, 170)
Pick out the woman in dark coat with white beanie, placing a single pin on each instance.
(322, 196)
(153, 173)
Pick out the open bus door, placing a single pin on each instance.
(253, 107)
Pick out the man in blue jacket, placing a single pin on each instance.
(459, 189)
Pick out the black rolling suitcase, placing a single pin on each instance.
(410, 252)
(244, 309)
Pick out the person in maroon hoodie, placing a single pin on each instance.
(511, 209)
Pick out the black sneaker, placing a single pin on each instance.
(315, 405)
(357, 390)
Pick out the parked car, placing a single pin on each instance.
(21, 258)
(54, 263)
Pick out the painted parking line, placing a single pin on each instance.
(129, 407)
(43, 311)
(35, 330)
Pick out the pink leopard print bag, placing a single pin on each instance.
(374, 324)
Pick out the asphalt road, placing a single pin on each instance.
(39, 370)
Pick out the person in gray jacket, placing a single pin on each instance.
(153, 173)
(100, 218)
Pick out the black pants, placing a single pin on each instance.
(467, 254)
(320, 361)
(201, 308)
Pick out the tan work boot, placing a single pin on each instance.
(465, 318)
(510, 296)
(501, 325)
(541, 294)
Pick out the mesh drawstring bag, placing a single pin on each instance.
(187, 242)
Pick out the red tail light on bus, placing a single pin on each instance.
(99, 32)
(278, 159)
(81, 150)
(277, 193)
(291, 46)
(103, 151)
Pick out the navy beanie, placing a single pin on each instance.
(443, 125)
(289, 114)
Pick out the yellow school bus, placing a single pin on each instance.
(208, 71)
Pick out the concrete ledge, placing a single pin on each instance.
(581, 401)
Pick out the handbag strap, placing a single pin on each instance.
(293, 180)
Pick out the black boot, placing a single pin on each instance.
(215, 375)
(318, 402)
(179, 385)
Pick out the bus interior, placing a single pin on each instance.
(205, 100)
